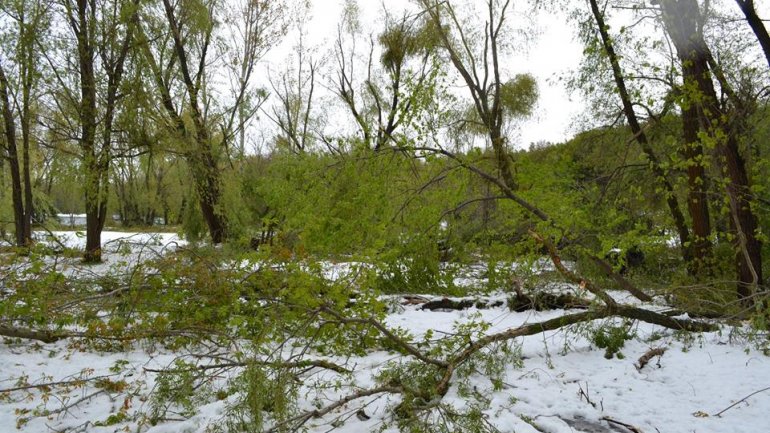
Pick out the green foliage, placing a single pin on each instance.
(444, 418)
(519, 95)
(193, 225)
(363, 204)
(415, 268)
(176, 392)
(612, 338)
(260, 394)
(419, 379)
(399, 42)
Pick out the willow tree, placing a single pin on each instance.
(382, 94)
(183, 44)
(88, 63)
(496, 99)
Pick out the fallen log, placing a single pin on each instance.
(31, 334)
(448, 304)
(463, 304)
(518, 303)
(544, 301)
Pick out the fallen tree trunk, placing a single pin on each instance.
(32, 334)
(566, 320)
(462, 304)
(519, 303)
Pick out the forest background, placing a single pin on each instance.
(398, 146)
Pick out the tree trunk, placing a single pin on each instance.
(201, 159)
(208, 187)
(683, 21)
(757, 26)
(87, 114)
(697, 195)
(13, 158)
(503, 158)
(28, 200)
(682, 24)
(641, 139)
(743, 221)
(27, 75)
(207, 179)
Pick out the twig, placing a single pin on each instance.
(584, 394)
(67, 407)
(310, 363)
(740, 401)
(59, 383)
(390, 335)
(628, 426)
(296, 422)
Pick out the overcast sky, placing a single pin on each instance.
(552, 53)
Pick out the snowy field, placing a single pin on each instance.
(702, 383)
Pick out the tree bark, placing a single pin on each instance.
(701, 108)
(9, 127)
(27, 72)
(202, 161)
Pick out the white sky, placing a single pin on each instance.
(553, 53)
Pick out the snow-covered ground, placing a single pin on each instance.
(121, 251)
(564, 385)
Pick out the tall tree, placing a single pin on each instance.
(181, 55)
(381, 102)
(478, 62)
(258, 26)
(702, 112)
(27, 19)
(695, 253)
(103, 34)
(9, 128)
